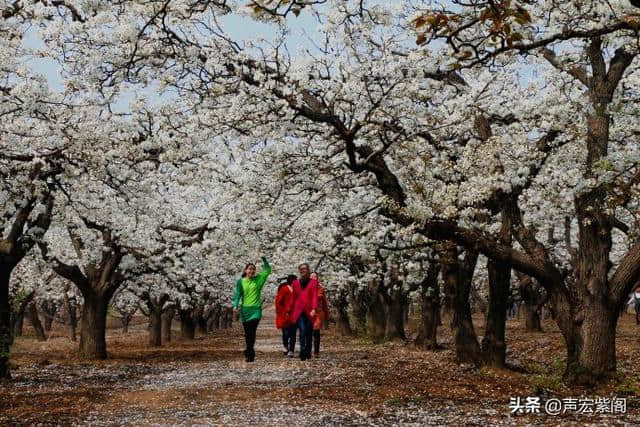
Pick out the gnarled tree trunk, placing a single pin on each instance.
(187, 325)
(32, 315)
(457, 276)
(5, 320)
(493, 343)
(376, 319)
(17, 321)
(155, 327)
(167, 321)
(395, 308)
(342, 316)
(49, 310)
(93, 323)
(532, 299)
(430, 310)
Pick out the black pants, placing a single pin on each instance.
(289, 337)
(250, 328)
(306, 330)
(316, 341)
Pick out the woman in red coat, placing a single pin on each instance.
(322, 314)
(305, 303)
(284, 309)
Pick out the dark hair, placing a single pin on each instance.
(291, 278)
(244, 270)
(304, 263)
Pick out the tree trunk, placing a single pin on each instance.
(342, 319)
(49, 309)
(187, 325)
(430, 314)
(167, 320)
(376, 320)
(5, 321)
(457, 282)
(214, 319)
(201, 324)
(493, 343)
(18, 323)
(229, 317)
(93, 344)
(446, 309)
(155, 327)
(531, 296)
(125, 320)
(395, 308)
(591, 346)
(70, 307)
(531, 318)
(32, 315)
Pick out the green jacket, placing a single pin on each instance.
(248, 290)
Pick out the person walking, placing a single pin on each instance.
(247, 298)
(284, 311)
(305, 295)
(322, 314)
(635, 300)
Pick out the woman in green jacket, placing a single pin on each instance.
(248, 289)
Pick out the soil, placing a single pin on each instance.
(207, 382)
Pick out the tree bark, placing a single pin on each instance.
(125, 320)
(201, 324)
(395, 308)
(17, 317)
(5, 321)
(187, 325)
(359, 308)
(532, 321)
(531, 296)
(155, 327)
(493, 343)
(228, 317)
(430, 311)
(93, 324)
(70, 308)
(32, 315)
(167, 320)
(49, 310)
(457, 277)
(214, 318)
(376, 319)
(342, 319)
(18, 323)
(591, 347)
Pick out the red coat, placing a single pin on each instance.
(284, 307)
(305, 300)
(322, 313)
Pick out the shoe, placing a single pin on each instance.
(303, 357)
(290, 354)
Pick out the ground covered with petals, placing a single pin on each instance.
(206, 382)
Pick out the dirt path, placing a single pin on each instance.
(207, 382)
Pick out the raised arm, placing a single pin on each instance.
(261, 278)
